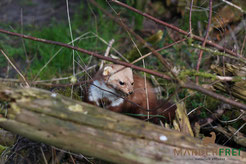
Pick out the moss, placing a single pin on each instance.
(186, 73)
(2, 148)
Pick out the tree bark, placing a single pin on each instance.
(82, 128)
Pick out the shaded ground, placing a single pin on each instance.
(35, 12)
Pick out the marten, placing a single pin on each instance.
(116, 88)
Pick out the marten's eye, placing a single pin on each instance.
(132, 83)
(121, 83)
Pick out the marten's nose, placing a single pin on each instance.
(131, 92)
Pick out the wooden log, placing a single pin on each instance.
(237, 88)
(79, 127)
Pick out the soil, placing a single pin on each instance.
(35, 12)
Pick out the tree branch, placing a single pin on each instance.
(87, 52)
(205, 39)
(209, 42)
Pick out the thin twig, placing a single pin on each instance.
(71, 33)
(244, 41)
(190, 25)
(57, 52)
(88, 52)
(205, 39)
(145, 81)
(184, 85)
(72, 159)
(22, 40)
(165, 47)
(126, 28)
(235, 6)
(65, 78)
(96, 24)
(235, 30)
(111, 42)
(45, 160)
(209, 42)
(233, 36)
(27, 84)
(217, 53)
(189, 84)
(233, 120)
(235, 133)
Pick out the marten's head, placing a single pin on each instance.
(119, 77)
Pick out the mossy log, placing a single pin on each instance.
(79, 127)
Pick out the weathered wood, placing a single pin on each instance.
(232, 134)
(72, 125)
(237, 88)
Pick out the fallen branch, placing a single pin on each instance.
(79, 127)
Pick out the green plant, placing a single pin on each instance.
(40, 53)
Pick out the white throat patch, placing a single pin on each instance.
(98, 90)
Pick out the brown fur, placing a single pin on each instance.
(156, 107)
(137, 97)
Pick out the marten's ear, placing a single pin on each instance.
(107, 70)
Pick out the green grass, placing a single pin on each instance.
(40, 53)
